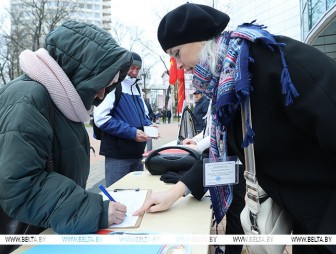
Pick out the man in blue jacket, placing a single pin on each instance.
(122, 119)
(200, 110)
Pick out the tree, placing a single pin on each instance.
(30, 22)
(132, 38)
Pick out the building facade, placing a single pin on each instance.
(318, 25)
(96, 12)
(282, 17)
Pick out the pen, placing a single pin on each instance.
(106, 193)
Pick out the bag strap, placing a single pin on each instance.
(117, 93)
(254, 192)
(250, 170)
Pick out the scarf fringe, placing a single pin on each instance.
(288, 88)
(219, 250)
(249, 137)
(254, 24)
(225, 195)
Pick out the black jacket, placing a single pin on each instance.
(200, 110)
(295, 146)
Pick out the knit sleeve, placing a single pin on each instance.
(193, 179)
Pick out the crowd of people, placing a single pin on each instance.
(81, 69)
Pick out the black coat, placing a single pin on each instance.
(200, 110)
(295, 146)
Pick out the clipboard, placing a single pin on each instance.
(133, 199)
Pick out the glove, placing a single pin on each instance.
(171, 177)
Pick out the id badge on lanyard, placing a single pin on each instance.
(222, 170)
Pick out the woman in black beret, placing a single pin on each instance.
(292, 107)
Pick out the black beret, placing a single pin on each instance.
(190, 23)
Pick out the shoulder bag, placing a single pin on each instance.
(261, 215)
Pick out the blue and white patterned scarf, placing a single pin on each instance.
(230, 88)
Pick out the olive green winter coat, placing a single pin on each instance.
(58, 200)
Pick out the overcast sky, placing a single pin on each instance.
(146, 12)
(145, 15)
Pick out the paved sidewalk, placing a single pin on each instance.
(168, 133)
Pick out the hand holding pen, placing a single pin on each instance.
(116, 210)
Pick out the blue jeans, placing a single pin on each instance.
(115, 169)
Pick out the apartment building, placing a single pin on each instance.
(96, 12)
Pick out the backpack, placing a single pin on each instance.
(187, 125)
(97, 133)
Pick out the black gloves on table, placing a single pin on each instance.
(171, 177)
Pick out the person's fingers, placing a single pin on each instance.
(144, 208)
(141, 136)
(155, 208)
(116, 213)
(139, 212)
(120, 207)
(119, 217)
(187, 141)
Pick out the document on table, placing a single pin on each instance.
(133, 199)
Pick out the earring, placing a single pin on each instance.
(203, 43)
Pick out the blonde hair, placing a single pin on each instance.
(209, 55)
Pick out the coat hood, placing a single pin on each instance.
(89, 56)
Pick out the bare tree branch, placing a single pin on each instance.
(31, 21)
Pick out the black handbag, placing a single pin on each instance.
(187, 125)
(9, 226)
(171, 158)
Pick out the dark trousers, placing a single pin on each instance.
(233, 224)
(311, 249)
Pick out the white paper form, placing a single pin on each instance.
(133, 200)
(151, 131)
